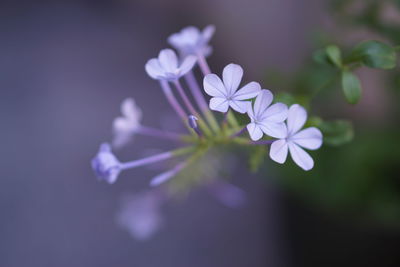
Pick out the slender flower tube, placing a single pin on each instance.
(190, 107)
(201, 101)
(201, 60)
(172, 100)
(158, 133)
(165, 176)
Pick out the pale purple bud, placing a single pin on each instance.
(105, 165)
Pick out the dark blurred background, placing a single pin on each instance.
(64, 69)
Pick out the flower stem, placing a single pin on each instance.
(203, 64)
(172, 100)
(190, 107)
(159, 133)
(155, 158)
(201, 101)
(238, 133)
(232, 119)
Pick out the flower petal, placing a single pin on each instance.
(310, 138)
(219, 104)
(297, 116)
(278, 151)
(232, 76)
(153, 69)
(301, 157)
(239, 106)
(254, 131)
(248, 91)
(168, 60)
(214, 86)
(263, 100)
(274, 129)
(207, 33)
(187, 64)
(277, 112)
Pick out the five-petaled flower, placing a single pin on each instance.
(167, 66)
(105, 165)
(310, 138)
(190, 41)
(125, 126)
(266, 118)
(225, 93)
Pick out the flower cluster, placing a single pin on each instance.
(268, 124)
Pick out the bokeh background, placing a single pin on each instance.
(66, 66)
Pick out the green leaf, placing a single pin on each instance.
(351, 87)
(334, 55)
(374, 54)
(320, 57)
(337, 132)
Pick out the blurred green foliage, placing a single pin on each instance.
(354, 174)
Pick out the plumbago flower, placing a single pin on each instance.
(265, 118)
(128, 124)
(190, 41)
(293, 140)
(167, 66)
(225, 92)
(204, 149)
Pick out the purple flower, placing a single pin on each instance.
(190, 41)
(125, 126)
(228, 194)
(105, 165)
(141, 215)
(225, 92)
(266, 119)
(167, 67)
(294, 140)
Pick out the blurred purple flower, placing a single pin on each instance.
(125, 126)
(190, 41)
(265, 118)
(105, 165)
(141, 215)
(225, 93)
(228, 194)
(167, 67)
(310, 138)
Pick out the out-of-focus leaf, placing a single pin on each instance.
(257, 157)
(351, 87)
(320, 57)
(334, 55)
(290, 99)
(337, 132)
(375, 54)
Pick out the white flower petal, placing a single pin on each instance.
(153, 69)
(250, 112)
(263, 100)
(168, 60)
(187, 64)
(248, 91)
(208, 33)
(301, 157)
(239, 106)
(277, 112)
(310, 138)
(130, 110)
(297, 117)
(232, 76)
(278, 151)
(214, 86)
(219, 104)
(254, 131)
(274, 129)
